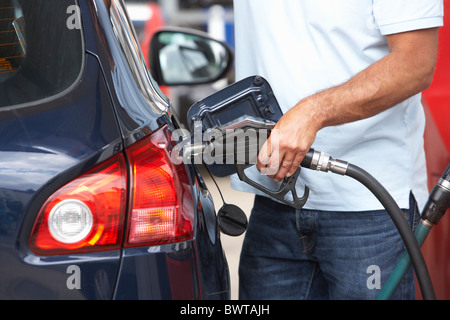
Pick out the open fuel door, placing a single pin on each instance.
(229, 128)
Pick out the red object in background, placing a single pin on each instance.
(436, 249)
(153, 24)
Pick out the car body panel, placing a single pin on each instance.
(45, 146)
(38, 156)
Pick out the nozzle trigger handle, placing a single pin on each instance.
(287, 185)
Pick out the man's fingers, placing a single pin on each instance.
(284, 168)
(268, 157)
(288, 166)
(276, 162)
(295, 164)
(264, 156)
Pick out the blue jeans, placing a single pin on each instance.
(308, 254)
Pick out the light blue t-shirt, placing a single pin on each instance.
(302, 47)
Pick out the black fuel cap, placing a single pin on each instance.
(232, 220)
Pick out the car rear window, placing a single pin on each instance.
(41, 49)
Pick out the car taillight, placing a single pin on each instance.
(161, 203)
(88, 214)
(85, 215)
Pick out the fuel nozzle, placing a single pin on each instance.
(438, 200)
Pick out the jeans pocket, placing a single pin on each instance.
(412, 214)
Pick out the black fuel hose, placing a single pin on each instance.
(317, 160)
(421, 270)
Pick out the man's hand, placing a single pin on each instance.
(289, 141)
(405, 71)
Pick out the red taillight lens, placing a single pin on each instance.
(85, 215)
(161, 205)
(88, 213)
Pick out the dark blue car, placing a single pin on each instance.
(91, 204)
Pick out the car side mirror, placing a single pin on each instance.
(187, 57)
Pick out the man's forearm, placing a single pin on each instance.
(391, 80)
(404, 72)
